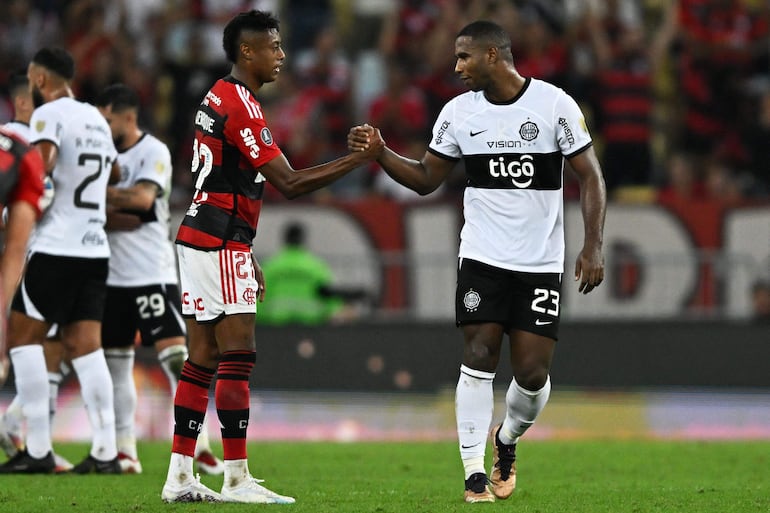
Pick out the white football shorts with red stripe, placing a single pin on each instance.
(219, 282)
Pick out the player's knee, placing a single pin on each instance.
(172, 358)
(532, 378)
(480, 357)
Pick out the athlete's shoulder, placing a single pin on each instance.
(150, 143)
(46, 110)
(19, 128)
(465, 99)
(542, 89)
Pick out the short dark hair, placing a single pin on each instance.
(487, 32)
(119, 96)
(57, 60)
(18, 84)
(258, 21)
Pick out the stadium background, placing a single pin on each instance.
(668, 347)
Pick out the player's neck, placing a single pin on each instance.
(505, 89)
(238, 74)
(130, 139)
(63, 91)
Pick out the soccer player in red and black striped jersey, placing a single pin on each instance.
(21, 192)
(233, 155)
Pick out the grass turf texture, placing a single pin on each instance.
(572, 476)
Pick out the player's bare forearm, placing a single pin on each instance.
(408, 172)
(593, 204)
(422, 176)
(121, 221)
(292, 183)
(138, 197)
(21, 222)
(589, 267)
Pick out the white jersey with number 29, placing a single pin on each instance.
(144, 256)
(74, 223)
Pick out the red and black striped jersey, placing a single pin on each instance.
(232, 141)
(21, 171)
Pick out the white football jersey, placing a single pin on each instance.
(74, 223)
(144, 256)
(513, 154)
(19, 128)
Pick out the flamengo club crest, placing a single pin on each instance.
(471, 300)
(250, 296)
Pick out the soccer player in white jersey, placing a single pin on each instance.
(11, 435)
(65, 278)
(142, 290)
(513, 134)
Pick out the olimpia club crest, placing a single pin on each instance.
(471, 300)
(528, 131)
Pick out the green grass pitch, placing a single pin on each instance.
(553, 477)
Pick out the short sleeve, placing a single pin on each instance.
(572, 133)
(157, 167)
(29, 187)
(247, 130)
(444, 143)
(46, 125)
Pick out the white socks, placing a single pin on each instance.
(474, 402)
(32, 388)
(13, 418)
(523, 407)
(96, 390)
(236, 471)
(171, 361)
(120, 361)
(180, 469)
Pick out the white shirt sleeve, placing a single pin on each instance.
(571, 131)
(46, 124)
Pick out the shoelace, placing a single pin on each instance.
(203, 490)
(265, 491)
(507, 454)
(478, 482)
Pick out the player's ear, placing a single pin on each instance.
(493, 54)
(245, 50)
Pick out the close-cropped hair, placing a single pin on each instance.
(119, 97)
(487, 32)
(57, 60)
(257, 21)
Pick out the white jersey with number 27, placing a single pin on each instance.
(74, 223)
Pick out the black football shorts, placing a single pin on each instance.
(517, 300)
(62, 289)
(153, 310)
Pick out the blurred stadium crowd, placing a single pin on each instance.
(677, 92)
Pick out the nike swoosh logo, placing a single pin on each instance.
(155, 331)
(539, 322)
(474, 134)
(469, 446)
